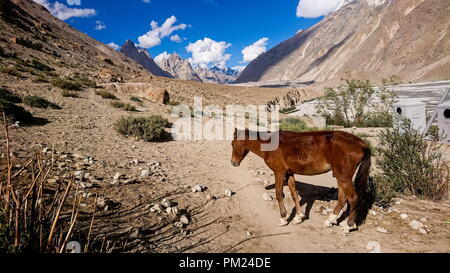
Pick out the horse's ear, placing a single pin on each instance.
(235, 133)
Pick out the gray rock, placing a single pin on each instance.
(228, 192)
(404, 216)
(166, 203)
(267, 197)
(382, 230)
(197, 188)
(184, 219)
(145, 173)
(416, 224)
(117, 176)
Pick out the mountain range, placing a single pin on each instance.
(372, 39)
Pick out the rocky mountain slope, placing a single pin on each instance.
(366, 39)
(142, 57)
(179, 68)
(216, 75)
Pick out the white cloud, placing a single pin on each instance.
(161, 57)
(73, 2)
(176, 38)
(146, 1)
(157, 33)
(207, 51)
(114, 45)
(99, 25)
(239, 68)
(252, 51)
(63, 12)
(314, 8)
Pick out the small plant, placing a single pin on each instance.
(143, 128)
(30, 44)
(38, 102)
(124, 106)
(69, 94)
(135, 99)
(84, 81)
(294, 125)
(106, 94)
(410, 165)
(10, 71)
(40, 66)
(66, 84)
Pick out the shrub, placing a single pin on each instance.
(106, 94)
(40, 66)
(38, 102)
(173, 103)
(10, 70)
(15, 113)
(66, 84)
(288, 110)
(84, 81)
(30, 44)
(69, 94)
(144, 128)
(8, 96)
(294, 125)
(124, 106)
(135, 99)
(357, 103)
(410, 165)
(40, 79)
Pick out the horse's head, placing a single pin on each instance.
(239, 149)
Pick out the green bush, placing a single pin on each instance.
(135, 99)
(38, 102)
(40, 66)
(69, 94)
(66, 84)
(15, 113)
(144, 128)
(8, 96)
(410, 165)
(288, 110)
(106, 94)
(30, 44)
(357, 103)
(10, 71)
(294, 125)
(124, 106)
(84, 81)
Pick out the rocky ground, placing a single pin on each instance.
(184, 196)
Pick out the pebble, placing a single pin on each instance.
(382, 230)
(267, 197)
(86, 185)
(423, 219)
(145, 173)
(228, 193)
(184, 219)
(166, 203)
(416, 224)
(197, 188)
(175, 210)
(423, 231)
(249, 234)
(87, 175)
(156, 208)
(266, 183)
(79, 174)
(404, 216)
(117, 176)
(374, 246)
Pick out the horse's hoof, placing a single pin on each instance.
(346, 228)
(283, 222)
(332, 220)
(298, 219)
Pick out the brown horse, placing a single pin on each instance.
(312, 153)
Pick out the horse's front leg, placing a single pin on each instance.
(279, 183)
(298, 209)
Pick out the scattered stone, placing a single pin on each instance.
(266, 183)
(156, 208)
(228, 193)
(145, 173)
(422, 231)
(52, 181)
(114, 182)
(267, 197)
(178, 224)
(210, 197)
(184, 219)
(382, 230)
(169, 210)
(423, 219)
(404, 216)
(117, 176)
(166, 203)
(86, 176)
(197, 188)
(79, 174)
(374, 246)
(86, 185)
(249, 234)
(373, 212)
(416, 224)
(175, 210)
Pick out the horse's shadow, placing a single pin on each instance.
(309, 193)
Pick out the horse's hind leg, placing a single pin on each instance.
(342, 199)
(352, 198)
(298, 210)
(279, 183)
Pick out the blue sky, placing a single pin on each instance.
(237, 23)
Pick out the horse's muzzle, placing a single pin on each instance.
(234, 163)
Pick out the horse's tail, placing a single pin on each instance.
(361, 180)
